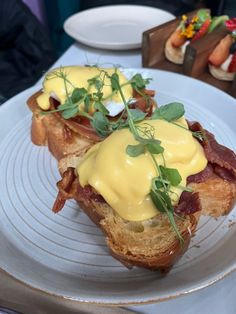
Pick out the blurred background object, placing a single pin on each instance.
(32, 35)
(25, 48)
(57, 11)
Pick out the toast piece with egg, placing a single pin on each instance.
(49, 130)
(63, 109)
(149, 243)
(113, 188)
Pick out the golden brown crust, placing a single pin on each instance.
(217, 196)
(38, 130)
(152, 244)
(131, 255)
(51, 131)
(66, 136)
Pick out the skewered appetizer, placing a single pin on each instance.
(222, 61)
(188, 31)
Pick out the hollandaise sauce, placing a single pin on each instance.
(77, 76)
(125, 181)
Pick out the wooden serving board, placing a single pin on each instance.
(196, 55)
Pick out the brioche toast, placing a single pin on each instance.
(49, 130)
(65, 133)
(152, 243)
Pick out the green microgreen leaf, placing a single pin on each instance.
(97, 96)
(172, 175)
(155, 148)
(100, 107)
(138, 82)
(161, 200)
(160, 183)
(115, 85)
(97, 82)
(100, 123)
(70, 112)
(137, 114)
(135, 150)
(170, 112)
(78, 94)
(67, 104)
(86, 103)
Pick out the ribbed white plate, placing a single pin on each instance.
(65, 254)
(115, 27)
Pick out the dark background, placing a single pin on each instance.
(32, 35)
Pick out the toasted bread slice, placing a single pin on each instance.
(217, 196)
(48, 130)
(66, 136)
(150, 244)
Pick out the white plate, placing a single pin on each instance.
(115, 27)
(65, 254)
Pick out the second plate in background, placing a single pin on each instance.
(116, 27)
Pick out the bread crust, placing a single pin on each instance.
(161, 260)
(128, 241)
(217, 196)
(62, 136)
(38, 130)
(150, 244)
(49, 130)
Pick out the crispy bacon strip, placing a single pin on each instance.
(76, 126)
(64, 187)
(88, 193)
(67, 134)
(221, 162)
(224, 173)
(189, 203)
(201, 176)
(221, 158)
(145, 105)
(81, 125)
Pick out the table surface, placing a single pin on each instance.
(219, 298)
